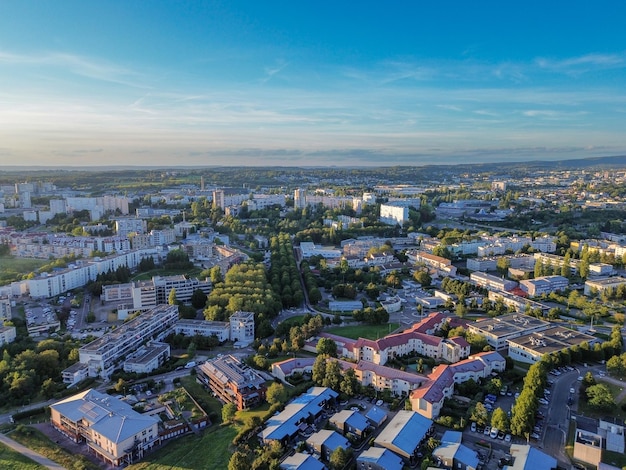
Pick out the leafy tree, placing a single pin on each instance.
(480, 414)
(499, 419)
(319, 369)
(327, 346)
(338, 459)
(198, 299)
(333, 376)
(599, 397)
(349, 384)
(238, 461)
(276, 393)
(228, 412)
(171, 298)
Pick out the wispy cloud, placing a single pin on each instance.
(582, 64)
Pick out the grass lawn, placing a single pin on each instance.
(12, 268)
(210, 450)
(616, 412)
(209, 403)
(11, 460)
(33, 439)
(364, 331)
(259, 411)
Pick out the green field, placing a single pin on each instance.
(616, 412)
(12, 269)
(35, 440)
(210, 450)
(11, 460)
(364, 331)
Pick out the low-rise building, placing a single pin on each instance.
(7, 334)
(232, 381)
(544, 285)
(378, 458)
(219, 329)
(404, 434)
(601, 284)
(324, 442)
(301, 461)
(284, 426)
(453, 454)
(497, 331)
(532, 347)
(525, 457)
(147, 358)
(492, 282)
(350, 422)
(113, 431)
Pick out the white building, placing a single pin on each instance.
(115, 432)
(219, 329)
(105, 354)
(544, 285)
(148, 358)
(492, 282)
(602, 284)
(242, 328)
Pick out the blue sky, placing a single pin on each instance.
(310, 83)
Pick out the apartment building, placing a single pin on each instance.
(544, 285)
(242, 328)
(232, 381)
(492, 282)
(601, 284)
(219, 329)
(113, 431)
(530, 348)
(439, 263)
(147, 358)
(105, 354)
(499, 330)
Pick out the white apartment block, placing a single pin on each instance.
(602, 284)
(544, 285)
(490, 263)
(219, 329)
(105, 354)
(393, 214)
(52, 284)
(242, 328)
(5, 308)
(7, 334)
(130, 225)
(492, 282)
(148, 358)
(499, 330)
(439, 263)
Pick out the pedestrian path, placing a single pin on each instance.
(31, 454)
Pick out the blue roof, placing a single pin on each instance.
(526, 457)
(404, 432)
(300, 461)
(452, 436)
(286, 423)
(376, 415)
(358, 421)
(382, 457)
(467, 456)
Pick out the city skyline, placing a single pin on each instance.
(293, 84)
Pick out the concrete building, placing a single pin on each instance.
(147, 358)
(438, 263)
(530, 348)
(106, 354)
(499, 330)
(601, 284)
(544, 285)
(242, 328)
(125, 226)
(113, 431)
(492, 282)
(5, 308)
(232, 381)
(7, 334)
(219, 329)
(519, 303)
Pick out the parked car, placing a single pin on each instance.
(507, 438)
(494, 433)
(487, 430)
(473, 426)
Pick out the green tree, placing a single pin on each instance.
(238, 461)
(333, 376)
(198, 299)
(319, 369)
(480, 414)
(276, 393)
(228, 412)
(599, 397)
(500, 420)
(349, 384)
(171, 298)
(338, 459)
(327, 346)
